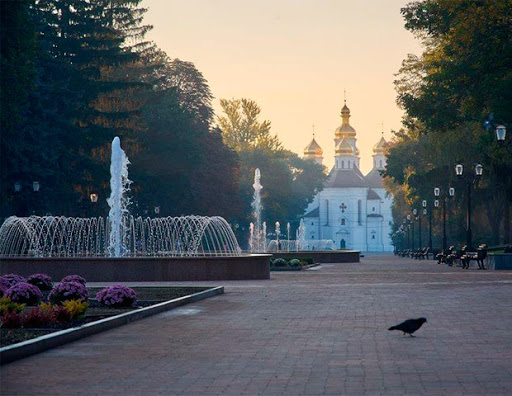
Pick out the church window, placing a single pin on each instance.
(381, 163)
(373, 209)
(342, 221)
(359, 212)
(312, 223)
(342, 164)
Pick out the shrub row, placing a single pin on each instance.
(293, 262)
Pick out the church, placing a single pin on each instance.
(353, 210)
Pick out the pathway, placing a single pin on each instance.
(316, 332)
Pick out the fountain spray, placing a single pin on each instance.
(118, 201)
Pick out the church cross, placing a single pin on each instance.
(343, 207)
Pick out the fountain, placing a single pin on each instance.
(118, 247)
(301, 236)
(258, 233)
(288, 235)
(300, 243)
(118, 201)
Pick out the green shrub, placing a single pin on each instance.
(294, 263)
(308, 260)
(279, 262)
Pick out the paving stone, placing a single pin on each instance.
(304, 333)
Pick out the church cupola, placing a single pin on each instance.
(314, 152)
(344, 130)
(379, 157)
(345, 155)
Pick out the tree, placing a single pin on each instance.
(242, 130)
(465, 68)
(190, 87)
(462, 79)
(183, 167)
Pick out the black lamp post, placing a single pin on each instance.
(411, 224)
(425, 210)
(470, 179)
(437, 194)
(94, 199)
(417, 216)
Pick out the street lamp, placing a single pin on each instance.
(470, 179)
(411, 224)
(501, 133)
(424, 204)
(93, 198)
(437, 194)
(417, 215)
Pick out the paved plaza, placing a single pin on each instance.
(316, 332)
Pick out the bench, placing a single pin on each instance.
(424, 254)
(444, 257)
(478, 256)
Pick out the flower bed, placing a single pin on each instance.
(146, 297)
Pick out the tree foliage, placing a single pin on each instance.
(289, 182)
(242, 130)
(458, 89)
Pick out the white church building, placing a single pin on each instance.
(353, 210)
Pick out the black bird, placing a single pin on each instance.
(409, 326)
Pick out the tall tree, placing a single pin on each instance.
(289, 183)
(241, 128)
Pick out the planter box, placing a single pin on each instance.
(500, 261)
(36, 345)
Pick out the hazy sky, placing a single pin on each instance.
(295, 58)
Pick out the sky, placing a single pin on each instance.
(296, 59)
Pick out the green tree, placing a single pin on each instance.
(184, 167)
(461, 79)
(242, 130)
(289, 182)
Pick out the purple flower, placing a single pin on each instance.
(4, 285)
(24, 293)
(68, 291)
(117, 296)
(42, 281)
(13, 279)
(74, 278)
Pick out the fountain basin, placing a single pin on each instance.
(322, 256)
(143, 269)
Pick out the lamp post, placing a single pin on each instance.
(437, 194)
(470, 179)
(410, 219)
(425, 210)
(417, 214)
(94, 199)
(18, 187)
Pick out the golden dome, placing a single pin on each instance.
(380, 146)
(313, 148)
(345, 130)
(344, 148)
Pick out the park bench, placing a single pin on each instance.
(424, 254)
(404, 253)
(444, 256)
(478, 256)
(456, 256)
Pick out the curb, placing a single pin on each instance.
(27, 348)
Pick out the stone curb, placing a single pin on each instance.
(27, 348)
